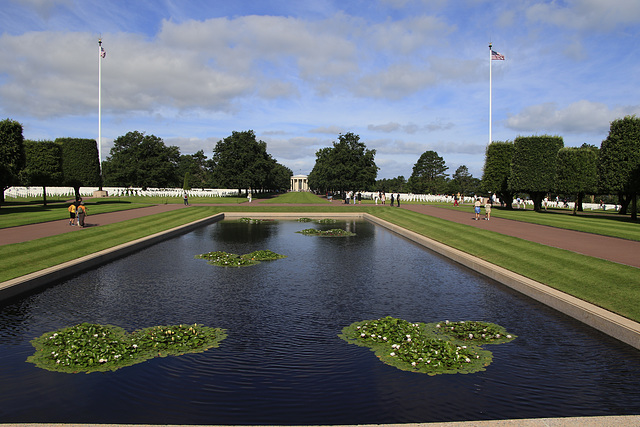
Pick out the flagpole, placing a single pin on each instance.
(100, 108)
(490, 62)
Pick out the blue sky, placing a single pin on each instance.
(407, 76)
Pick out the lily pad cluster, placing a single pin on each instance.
(319, 221)
(335, 232)
(225, 259)
(247, 220)
(432, 348)
(91, 347)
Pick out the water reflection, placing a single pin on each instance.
(283, 362)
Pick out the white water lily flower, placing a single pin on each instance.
(470, 336)
(392, 354)
(363, 335)
(508, 336)
(438, 325)
(467, 360)
(413, 363)
(497, 335)
(446, 321)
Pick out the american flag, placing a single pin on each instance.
(103, 52)
(497, 56)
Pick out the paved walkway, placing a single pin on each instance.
(609, 248)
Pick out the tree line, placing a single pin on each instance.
(137, 160)
(541, 165)
(534, 165)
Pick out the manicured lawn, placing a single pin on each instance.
(610, 285)
(301, 197)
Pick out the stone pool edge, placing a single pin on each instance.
(612, 324)
(38, 279)
(605, 321)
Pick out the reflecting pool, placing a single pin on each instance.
(283, 362)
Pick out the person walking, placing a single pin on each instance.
(487, 209)
(392, 197)
(81, 214)
(476, 208)
(72, 214)
(398, 200)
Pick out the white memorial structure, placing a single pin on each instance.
(299, 183)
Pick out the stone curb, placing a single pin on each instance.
(26, 283)
(600, 421)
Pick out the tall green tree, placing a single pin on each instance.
(196, 165)
(240, 161)
(80, 163)
(428, 176)
(577, 172)
(497, 169)
(139, 160)
(43, 165)
(388, 185)
(461, 181)
(12, 156)
(533, 167)
(619, 162)
(348, 165)
(279, 177)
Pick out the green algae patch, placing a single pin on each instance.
(335, 232)
(433, 348)
(225, 259)
(91, 347)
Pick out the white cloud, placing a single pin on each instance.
(330, 130)
(586, 15)
(577, 118)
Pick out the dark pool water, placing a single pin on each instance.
(283, 362)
